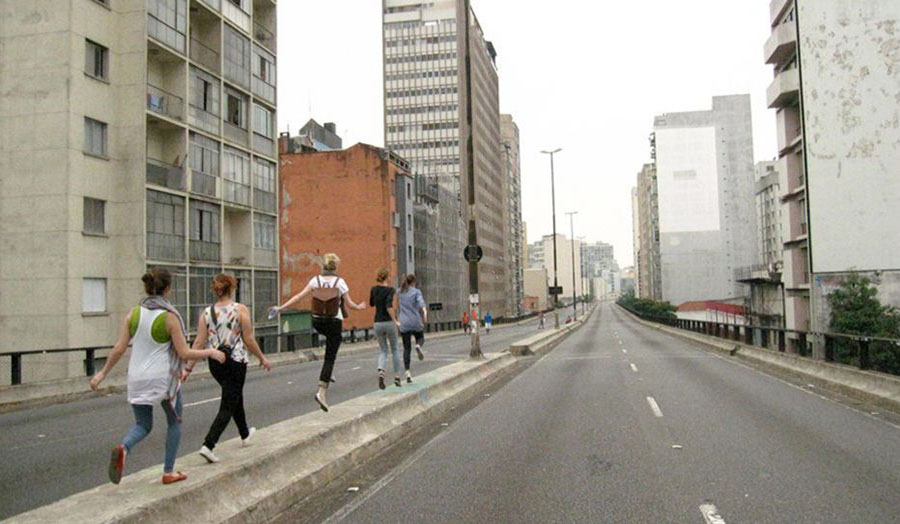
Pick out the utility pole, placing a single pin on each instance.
(475, 350)
(553, 199)
(574, 295)
(584, 293)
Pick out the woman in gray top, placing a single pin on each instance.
(413, 316)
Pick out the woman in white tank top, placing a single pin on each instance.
(155, 371)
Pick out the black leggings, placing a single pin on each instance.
(330, 328)
(407, 345)
(230, 376)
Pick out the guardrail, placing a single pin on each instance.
(862, 351)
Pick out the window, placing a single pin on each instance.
(94, 137)
(235, 113)
(204, 163)
(165, 226)
(94, 216)
(93, 295)
(263, 122)
(237, 57)
(201, 291)
(205, 234)
(264, 232)
(409, 255)
(265, 292)
(167, 22)
(409, 222)
(264, 185)
(96, 60)
(236, 175)
(263, 74)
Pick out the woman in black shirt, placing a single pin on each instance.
(381, 297)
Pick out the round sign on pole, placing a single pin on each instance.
(473, 253)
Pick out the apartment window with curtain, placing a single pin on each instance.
(94, 216)
(236, 176)
(264, 185)
(95, 137)
(264, 232)
(205, 231)
(165, 226)
(236, 109)
(96, 60)
(263, 122)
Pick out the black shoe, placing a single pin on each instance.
(397, 382)
(381, 383)
(409, 380)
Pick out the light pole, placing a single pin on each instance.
(584, 293)
(475, 349)
(574, 295)
(553, 199)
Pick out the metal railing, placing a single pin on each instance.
(165, 174)
(205, 56)
(264, 36)
(165, 103)
(865, 352)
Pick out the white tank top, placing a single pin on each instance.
(148, 368)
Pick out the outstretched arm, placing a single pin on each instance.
(296, 298)
(116, 354)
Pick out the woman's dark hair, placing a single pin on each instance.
(223, 285)
(382, 274)
(156, 281)
(409, 280)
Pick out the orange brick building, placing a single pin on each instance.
(356, 203)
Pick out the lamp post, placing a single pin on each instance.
(553, 200)
(581, 268)
(475, 348)
(574, 295)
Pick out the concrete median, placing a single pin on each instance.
(288, 461)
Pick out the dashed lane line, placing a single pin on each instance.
(207, 401)
(710, 514)
(654, 407)
(633, 367)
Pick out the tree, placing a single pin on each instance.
(856, 310)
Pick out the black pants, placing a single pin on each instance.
(330, 328)
(407, 345)
(230, 376)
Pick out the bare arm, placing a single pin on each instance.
(248, 335)
(296, 298)
(116, 354)
(354, 305)
(173, 326)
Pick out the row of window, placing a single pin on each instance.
(420, 58)
(424, 40)
(422, 74)
(422, 109)
(434, 126)
(392, 27)
(425, 145)
(443, 90)
(204, 96)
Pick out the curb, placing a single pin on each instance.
(869, 386)
(288, 460)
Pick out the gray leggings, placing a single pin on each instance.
(386, 332)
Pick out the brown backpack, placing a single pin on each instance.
(327, 301)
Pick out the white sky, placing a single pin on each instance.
(584, 75)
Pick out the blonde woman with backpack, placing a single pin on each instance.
(330, 298)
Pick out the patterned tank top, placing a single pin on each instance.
(227, 331)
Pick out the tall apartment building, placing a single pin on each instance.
(597, 257)
(425, 122)
(509, 133)
(135, 133)
(636, 239)
(707, 220)
(835, 90)
(565, 261)
(536, 254)
(648, 268)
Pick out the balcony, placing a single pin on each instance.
(203, 184)
(777, 9)
(164, 174)
(237, 134)
(237, 237)
(264, 36)
(205, 251)
(236, 192)
(164, 103)
(784, 90)
(205, 56)
(206, 37)
(782, 44)
(265, 22)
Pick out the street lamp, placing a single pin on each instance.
(553, 200)
(574, 296)
(584, 293)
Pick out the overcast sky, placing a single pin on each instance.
(584, 75)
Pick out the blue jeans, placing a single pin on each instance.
(386, 333)
(143, 424)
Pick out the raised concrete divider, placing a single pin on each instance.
(30, 395)
(545, 340)
(287, 461)
(880, 388)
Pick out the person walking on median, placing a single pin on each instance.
(381, 297)
(413, 316)
(488, 322)
(226, 326)
(159, 348)
(541, 319)
(330, 297)
(465, 321)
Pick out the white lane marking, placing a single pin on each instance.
(711, 514)
(207, 401)
(654, 406)
(633, 368)
(356, 368)
(620, 342)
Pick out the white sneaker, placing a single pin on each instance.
(207, 453)
(419, 352)
(246, 441)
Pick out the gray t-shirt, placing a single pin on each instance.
(411, 304)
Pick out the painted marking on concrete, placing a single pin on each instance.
(654, 406)
(620, 342)
(710, 514)
(356, 368)
(625, 351)
(633, 368)
(207, 401)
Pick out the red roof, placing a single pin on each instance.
(711, 305)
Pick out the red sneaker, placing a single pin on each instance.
(117, 464)
(171, 478)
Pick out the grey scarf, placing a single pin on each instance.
(176, 364)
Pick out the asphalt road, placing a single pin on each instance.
(52, 452)
(622, 423)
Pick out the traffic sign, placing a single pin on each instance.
(436, 306)
(473, 253)
(473, 299)
(555, 290)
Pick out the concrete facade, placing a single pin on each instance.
(425, 109)
(345, 202)
(648, 269)
(95, 91)
(536, 285)
(835, 88)
(565, 263)
(509, 133)
(704, 163)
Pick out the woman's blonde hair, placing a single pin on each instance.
(330, 262)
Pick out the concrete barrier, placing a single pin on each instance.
(871, 386)
(287, 461)
(545, 340)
